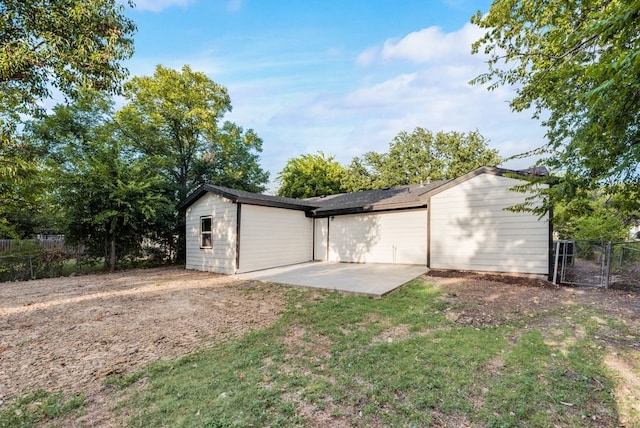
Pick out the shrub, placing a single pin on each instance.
(49, 262)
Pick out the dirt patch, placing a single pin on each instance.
(398, 333)
(327, 414)
(69, 334)
(504, 279)
(393, 334)
(484, 300)
(300, 343)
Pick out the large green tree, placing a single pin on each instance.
(363, 173)
(21, 198)
(596, 214)
(420, 156)
(47, 44)
(232, 160)
(576, 65)
(173, 118)
(311, 175)
(62, 44)
(110, 197)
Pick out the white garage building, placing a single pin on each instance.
(460, 224)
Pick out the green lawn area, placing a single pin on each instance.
(334, 359)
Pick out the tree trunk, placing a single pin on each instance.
(181, 244)
(112, 255)
(110, 249)
(106, 255)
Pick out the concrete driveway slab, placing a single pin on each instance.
(370, 279)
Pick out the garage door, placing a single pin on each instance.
(394, 237)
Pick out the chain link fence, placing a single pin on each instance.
(597, 263)
(16, 268)
(624, 265)
(21, 260)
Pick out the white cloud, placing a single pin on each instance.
(368, 56)
(381, 94)
(426, 45)
(159, 5)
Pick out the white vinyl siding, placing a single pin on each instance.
(472, 230)
(391, 237)
(271, 237)
(222, 254)
(320, 238)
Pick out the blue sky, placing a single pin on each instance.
(343, 76)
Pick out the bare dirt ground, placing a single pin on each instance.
(488, 302)
(70, 334)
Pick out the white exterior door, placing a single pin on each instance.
(392, 237)
(321, 233)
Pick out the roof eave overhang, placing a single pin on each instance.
(206, 188)
(197, 194)
(273, 204)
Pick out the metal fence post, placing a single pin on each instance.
(555, 265)
(608, 256)
(31, 267)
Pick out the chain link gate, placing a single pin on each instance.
(597, 263)
(581, 263)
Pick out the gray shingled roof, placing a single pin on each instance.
(369, 200)
(242, 196)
